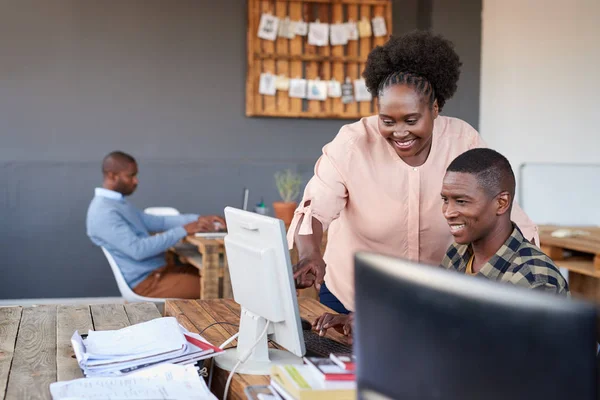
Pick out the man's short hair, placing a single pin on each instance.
(492, 169)
(116, 161)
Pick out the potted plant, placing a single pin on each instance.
(288, 184)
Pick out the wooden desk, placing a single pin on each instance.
(196, 315)
(35, 342)
(208, 255)
(580, 255)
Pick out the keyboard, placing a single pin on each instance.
(317, 346)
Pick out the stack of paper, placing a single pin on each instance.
(118, 352)
(165, 381)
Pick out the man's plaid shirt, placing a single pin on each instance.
(518, 262)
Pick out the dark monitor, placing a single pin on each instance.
(425, 333)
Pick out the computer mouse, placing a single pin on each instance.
(306, 326)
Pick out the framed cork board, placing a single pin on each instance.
(293, 57)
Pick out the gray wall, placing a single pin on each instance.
(163, 80)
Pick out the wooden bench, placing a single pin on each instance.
(580, 255)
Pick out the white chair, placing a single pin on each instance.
(162, 211)
(129, 295)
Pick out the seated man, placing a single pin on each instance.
(124, 231)
(477, 193)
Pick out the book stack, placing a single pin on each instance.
(330, 378)
(122, 351)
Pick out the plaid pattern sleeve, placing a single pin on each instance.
(518, 262)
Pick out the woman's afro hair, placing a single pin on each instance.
(419, 58)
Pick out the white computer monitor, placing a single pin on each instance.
(263, 285)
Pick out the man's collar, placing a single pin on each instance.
(109, 194)
(501, 261)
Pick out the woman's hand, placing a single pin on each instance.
(309, 271)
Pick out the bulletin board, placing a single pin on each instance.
(291, 58)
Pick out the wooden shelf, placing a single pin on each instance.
(309, 57)
(355, 2)
(295, 58)
(580, 265)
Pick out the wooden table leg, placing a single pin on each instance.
(209, 282)
(227, 289)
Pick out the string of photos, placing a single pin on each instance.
(314, 89)
(320, 33)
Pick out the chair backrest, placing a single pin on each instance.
(128, 294)
(162, 211)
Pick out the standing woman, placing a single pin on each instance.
(377, 184)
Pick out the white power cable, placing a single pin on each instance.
(221, 346)
(243, 359)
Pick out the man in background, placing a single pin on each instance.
(124, 231)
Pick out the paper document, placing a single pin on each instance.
(165, 381)
(159, 335)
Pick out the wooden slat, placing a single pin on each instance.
(209, 284)
(9, 326)
(252, 40)
(34, 362)
(388, 18)
(369, 2)
(295, 51)
(324, 12)
(68, 320)
(268, 47)
(109, 316)
(365, 47)
(141, 312)
(311, 68)
(380, 11)
(227, 288)
(337, 53)
(351, 109)
(579, 265)
(352, 114)
(310, 57)
(282, 66)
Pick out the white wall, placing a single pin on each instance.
(540, 80)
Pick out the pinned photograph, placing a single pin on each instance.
(379, 28)
(352, 30)
(266, 85)
(318, 34)
(285, 29)
(361, 93)
(300, 28)
(347, 92)
(298, 88)
(267, 29)
(317, 90)
(334, 88)
(282, 82)
(364, 28)
(338, 34)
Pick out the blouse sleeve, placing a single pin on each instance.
(324, 197)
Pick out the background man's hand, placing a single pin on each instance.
(206, 223)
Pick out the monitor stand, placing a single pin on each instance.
(262, 358)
